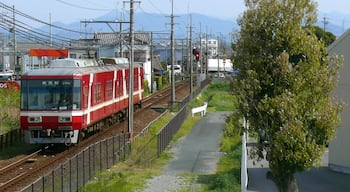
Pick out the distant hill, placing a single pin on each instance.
(158, 23)
(215, 27)
(336, 23)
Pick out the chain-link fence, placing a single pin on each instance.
(10, 138)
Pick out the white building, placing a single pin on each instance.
(339, 155)
(219, 65)
(212, 46)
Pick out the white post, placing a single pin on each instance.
(244, 171)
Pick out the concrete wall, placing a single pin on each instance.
(339, 154)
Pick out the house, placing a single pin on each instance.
(117, 45)
(339, 155)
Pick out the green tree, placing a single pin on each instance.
(325, 36)
(284, 86)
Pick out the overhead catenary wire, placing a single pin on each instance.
(21, 25)
(20, 22)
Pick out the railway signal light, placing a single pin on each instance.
(197, 56)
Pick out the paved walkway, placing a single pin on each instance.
(197, 153)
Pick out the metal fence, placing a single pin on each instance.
(81, 168)
(165, 134)
(10, 138)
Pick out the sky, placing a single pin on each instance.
(68, 11)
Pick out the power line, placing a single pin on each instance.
(82, 7)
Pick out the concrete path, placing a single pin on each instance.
(199, 151)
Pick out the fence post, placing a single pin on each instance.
(6, 140)
(70, 174)
(244, 171)
(113, 148)
(107, 158)
(53, 180)
(77, 157)
(101, 166)
(1, 141)
(62, 180)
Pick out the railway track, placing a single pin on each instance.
(23, 169)
(16, 170)
(16, 175)
(160, 97)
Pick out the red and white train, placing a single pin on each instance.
(72, 98)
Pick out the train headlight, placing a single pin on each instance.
(64, 119)
(34, 119)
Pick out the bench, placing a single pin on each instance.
(202, 109)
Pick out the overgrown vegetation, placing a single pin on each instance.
(9, 110)
(142, 164)
(147, 89)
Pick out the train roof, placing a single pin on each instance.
(70, 62)
(74, 71)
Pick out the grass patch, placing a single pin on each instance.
(142, 164)
(228, 175)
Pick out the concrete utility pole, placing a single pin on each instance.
(14, 41)
(131, 72)
(190, 56)
(206, 51)
(172, 56)
(201, 48)
(325, 23)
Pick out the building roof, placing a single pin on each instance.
(156, 63)
(141, 38)
(340, 39)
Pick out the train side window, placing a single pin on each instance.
(136, 79)
(109, 90)
(121, 83)
(77, 96)
(141, 78)
(127, 79)
(97, 93)
(85, 96)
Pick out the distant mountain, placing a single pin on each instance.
(336, 23)
(156, 23)
(161, 23)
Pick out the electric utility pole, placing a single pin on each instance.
(172, 56)
(131, 71)
(190, 57)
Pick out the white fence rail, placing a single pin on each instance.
(202, 109)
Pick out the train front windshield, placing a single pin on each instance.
(50, 94)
